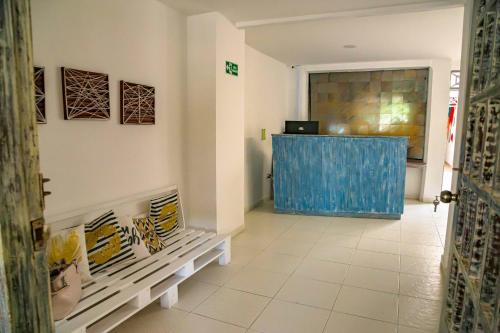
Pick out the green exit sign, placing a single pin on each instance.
(231, 68)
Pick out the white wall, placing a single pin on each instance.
(141, 41)
(413, 182)
(230, 117)
(427, 180)
(268, 92)
(436, 140)
(200, 123)
(214, 126)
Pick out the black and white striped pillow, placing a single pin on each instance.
(165, 213)
(106, 243)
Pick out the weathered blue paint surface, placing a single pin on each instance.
(339, 175)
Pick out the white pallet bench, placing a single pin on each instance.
(118, 294)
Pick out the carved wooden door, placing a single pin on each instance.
(24, 280)
(472, 290)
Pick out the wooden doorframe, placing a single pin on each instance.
(24, 280)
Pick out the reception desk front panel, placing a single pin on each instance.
(339, 175)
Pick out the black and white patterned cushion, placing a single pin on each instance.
(106, 243)
(146, 228)
(165, 212)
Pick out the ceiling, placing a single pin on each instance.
(249, 10)
(380, 29)
(423, 35)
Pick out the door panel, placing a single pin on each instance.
(24, 280)
(471, 303)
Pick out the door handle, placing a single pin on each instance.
(445, 197)
(39, 230)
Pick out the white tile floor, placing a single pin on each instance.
(313, 274)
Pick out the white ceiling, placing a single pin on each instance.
(423, 35)
(248, 10)
(381, 29)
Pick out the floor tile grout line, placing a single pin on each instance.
(369, 318)
(249, 265)
(340, 290)
(219, 320)
(341, 284)
(286, 281)
(336, 298)
(204, 299)
(331, 312)
(272, 298)
(349, 265)
(207, 317)
(399, 286)
(224, 286)
(303, 258)
(439, 235)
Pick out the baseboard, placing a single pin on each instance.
(340, 214)
(238, 230)
(255, 205)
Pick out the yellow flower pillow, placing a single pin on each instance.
(165, 213)
(66, 246)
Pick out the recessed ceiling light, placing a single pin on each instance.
(349, 46)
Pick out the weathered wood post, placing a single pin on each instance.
(24, 283)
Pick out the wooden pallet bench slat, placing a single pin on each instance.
(122, 283)
(122, 298)
(141, 267)
(109, 322)
(118, 293)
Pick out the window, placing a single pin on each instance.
(386, 102)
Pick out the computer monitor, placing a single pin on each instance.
(301, 127)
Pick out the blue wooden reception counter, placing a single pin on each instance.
(358, 176)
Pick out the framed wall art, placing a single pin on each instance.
(39, 82)
(137, 104)
(85, 94)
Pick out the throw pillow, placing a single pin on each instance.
(146, 228)
(165, 212)
(106, 243)
(133, 237)
(66, 246)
